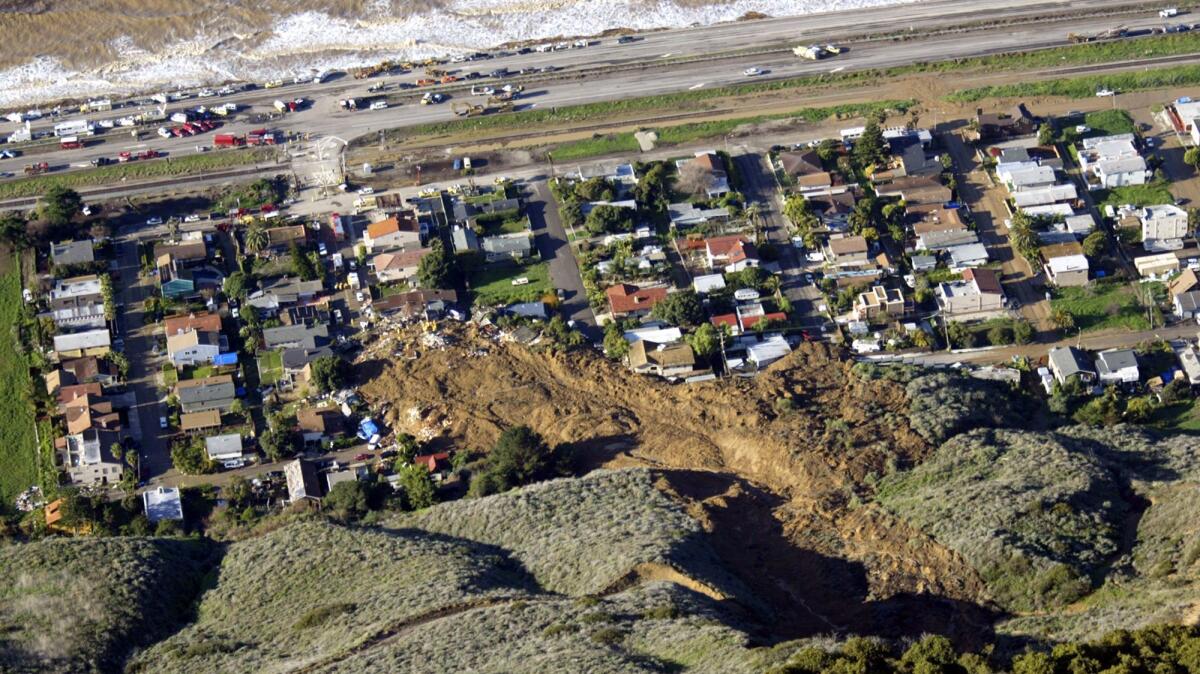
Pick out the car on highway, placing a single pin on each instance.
(625, 39)
(194, 217)
(154, 221)
(9, 154)
(751, 72)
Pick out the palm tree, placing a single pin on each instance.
(256, 238)
(753, 213)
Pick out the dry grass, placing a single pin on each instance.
(81, 605)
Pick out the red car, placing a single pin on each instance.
(362, 457)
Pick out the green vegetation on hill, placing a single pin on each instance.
(18, 444)
(82, 605)
(1086, 86)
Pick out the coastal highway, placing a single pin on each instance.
(661, 62)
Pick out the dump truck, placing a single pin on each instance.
(70, 143)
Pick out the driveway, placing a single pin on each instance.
(550, 237)
(143, 367)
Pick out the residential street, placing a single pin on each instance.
(139, 343)
(551, 240)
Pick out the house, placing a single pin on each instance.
(399, 266)
(978, 295)
(796, 164)
(303, 481)
(915, 190)
(87, 457)
(664, 360)
(416, 304)
(514, 246)
(1046, 195)
(1118, 366)
(1112, 161)
(629, 300)
(659, 333)
(224, 447)
(707, 283)
(318, 424)
(846, 250)
(76, 293)
(1068, 363)
(1187, 305)
(908, 156)
(300, 336)
(1120, 172)
(402, 230)
(936, 219)
(68, 393)
(1155, 266)
(1080, 224)
(833, 210)
(994, 126)
(1163, 227)
(176, 284)
(1023, 178)
(686, 214)
(711, 164)
(528, 310)
(162, 503)
(89, 343)
(283, 238)
(67, 253)
(879, 303)
(1066, 264)
(463, 239)
(434, 463)
(208, 393)
(731, 253)
(193, 347)
(967, 255)
(946, 239)
(1189, 360)
(205, 321)
(923, 262)
(193, 422)
(297, 362)
(768, 351)
(282, 292)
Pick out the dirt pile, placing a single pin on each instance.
(770, 467)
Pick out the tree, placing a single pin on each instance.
(1046, 132)
(606, 218)
(870, 148)
(302, 264)
(278, 442)
(1191, 157)
(828, 149)
(1022, 331)
(329, 373)
(519, 457)
(1094, 244)
(12, 230)
(60, 204)
(695, 179)
(348, 500)
(999, 334)
(961, 336)
(681, 308)
(1139, 409)
(238, 492)
(705, 341)
(407, 448)
(190, 457)
(419, 490)
(237, 285)
(437, 268)
(615, 346)
(1062, 319)
(595, 189)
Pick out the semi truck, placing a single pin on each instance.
(70, 143)
(228, 140)
(817, 52)
(261, 137)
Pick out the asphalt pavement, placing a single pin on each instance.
(550, 237)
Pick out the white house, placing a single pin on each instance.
(1163, 227)
(1118, 366)
(163, 503)
(1067, 270)
(1120, 172)
(707, 283)
(1045, 195)
(193, 347)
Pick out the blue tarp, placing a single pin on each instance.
(225, 359)
(367, 428)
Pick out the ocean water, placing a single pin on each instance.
(132, 46)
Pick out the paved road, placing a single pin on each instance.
(551, 240)
(725, 41)
(139, 342)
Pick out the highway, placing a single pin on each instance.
(657, 63)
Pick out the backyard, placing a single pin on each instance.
(18, 443)
(493, 284)
(270, 367)
(1104, 305)
(1136, 195)
(1108, 122)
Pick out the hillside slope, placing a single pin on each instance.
(79, 605)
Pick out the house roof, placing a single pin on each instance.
(1184, 282)
(516, 242)
(402, 221)
(415, 302)
(1111, 362)
(82, 368)
(72, 252)
(323, 420)
(300, 334)
(1068, 361)
(302, 480)
(1067, 263)
(186, 340)
(163, 503)
(645, 352)
(205, 389)
(200, 321)
(1061, 250)
(287, 235)
(182, 250)
(1189, 301)
(748, 322)
(431, 461)
(735, 248)
(985, 280)
(848, 245)
(68, 393)
(939, 219)
(77, 341)
(624, 298)
(801, 163)
(225, 446)
(729, 320)
(405, 259)
(195, 421)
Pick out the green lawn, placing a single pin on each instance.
(1086, 86)
(1184, 416)
(137, 170)
(18, 444)
(199, 372)
(170, 374)
(492, 285)
(1102, 305)
(1138, 195)
(596, 146)
(1108, 122)
(270, 367)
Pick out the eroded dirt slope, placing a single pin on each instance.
(773, 481)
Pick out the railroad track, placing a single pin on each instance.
(101, 191)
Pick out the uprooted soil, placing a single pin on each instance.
(774, 482)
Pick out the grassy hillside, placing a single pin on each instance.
(313, 589)
(81, 605)
(582, 536)
(18, 446)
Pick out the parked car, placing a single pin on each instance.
(154, 221)
(362, 457)
(162, 422)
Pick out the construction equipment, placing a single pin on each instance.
(34, 169)
(466, 109)
(1110, 34)
(817, 52)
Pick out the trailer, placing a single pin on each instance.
(1168, 12)
(34, 169)
(70, 143)
(228, 140)
(75, 127)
